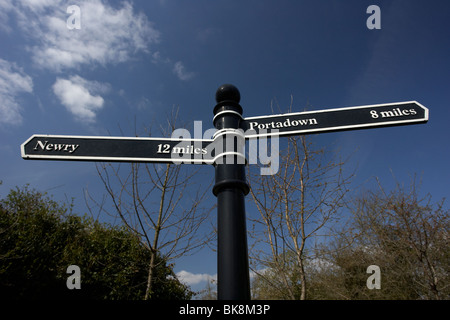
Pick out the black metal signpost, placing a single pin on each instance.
(111, 149)
(329, 120)
(231, 188)
(230, 185)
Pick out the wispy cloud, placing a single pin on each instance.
(107, 34)
(13, 81)
(181, 72)
(81, 97)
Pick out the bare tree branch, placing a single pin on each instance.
(296, 205)
(159, 204)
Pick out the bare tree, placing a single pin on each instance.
(296, 205)
(161, 203)
(408, 236)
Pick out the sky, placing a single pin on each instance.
(119, 67)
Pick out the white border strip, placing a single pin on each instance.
(236, 132)
(227, 111)
(230, 153)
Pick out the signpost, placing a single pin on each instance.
(86, 148)
(230, 186)
(371, 116)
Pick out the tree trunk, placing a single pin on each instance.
(157, 230)
(151, 268)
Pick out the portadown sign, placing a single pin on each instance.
(351, 118)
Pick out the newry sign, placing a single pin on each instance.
(87, 148)
(228, 159)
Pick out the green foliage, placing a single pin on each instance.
(39, 239)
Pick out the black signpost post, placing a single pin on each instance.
(231, 186)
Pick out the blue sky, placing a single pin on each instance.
(132, 61)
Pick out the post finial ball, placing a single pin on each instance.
(228, 92)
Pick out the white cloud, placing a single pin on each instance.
(80, 96)
(5, 7)
(107, 34)
(13, 81)
(180, 71)
(190, 279)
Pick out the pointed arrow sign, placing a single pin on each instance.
(87, 148)
(390, 114)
